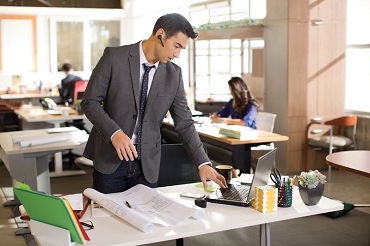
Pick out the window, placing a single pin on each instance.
(81, 42)
(103, 34)
(70, 44)
(18, 44)
(358, 57)
(216, 60)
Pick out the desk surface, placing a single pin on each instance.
(355, 161)
(37, 114)
(211, 131)
(9, 148)
(31, 164)
(26, 96)
(115, 231)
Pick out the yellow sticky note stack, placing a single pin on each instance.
(265, 198)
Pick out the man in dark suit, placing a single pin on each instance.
(67, 86)
(112, 103)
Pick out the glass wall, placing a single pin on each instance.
(70, 44)
(216, 60)
(81, 42)
(103, 34)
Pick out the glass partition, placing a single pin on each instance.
(70, 44)
(103, 34)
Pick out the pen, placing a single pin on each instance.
(87, 225)
(291, 182)
(128, 204)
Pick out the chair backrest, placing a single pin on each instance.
(79, 88)
(265, 121)
(341, 123)
(176, 166)
(348, 120)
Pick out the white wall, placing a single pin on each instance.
(20, 42)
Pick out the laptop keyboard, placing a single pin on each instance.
(235, 192)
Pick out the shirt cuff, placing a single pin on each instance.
(205, 163)
(114, 134)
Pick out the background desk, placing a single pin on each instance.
(16, 100)
(30, 164)
(38, 115)
(219, 147)
(355, 161)
(218, 217)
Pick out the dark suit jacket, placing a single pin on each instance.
(112, 101)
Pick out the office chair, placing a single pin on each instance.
(78, 88)
(82, 160)
(176, 166)
(330, 135)
(9, 121)
(265, 121)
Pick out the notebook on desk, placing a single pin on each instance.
(241, 195)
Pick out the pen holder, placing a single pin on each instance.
(285, 196)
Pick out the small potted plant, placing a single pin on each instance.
(311, 186)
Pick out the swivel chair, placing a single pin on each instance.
(265, 121)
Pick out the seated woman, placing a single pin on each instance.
(240, 110)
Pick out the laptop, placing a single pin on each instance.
(242, 194)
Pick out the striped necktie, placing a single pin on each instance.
(144, 92)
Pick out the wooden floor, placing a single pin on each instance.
(350, 229)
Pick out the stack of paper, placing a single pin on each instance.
(142, 206)
(239, 132)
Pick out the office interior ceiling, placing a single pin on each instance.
(113, 4)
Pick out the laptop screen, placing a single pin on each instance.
(263, 169)
(246, 192)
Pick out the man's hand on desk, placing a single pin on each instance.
(206, 172)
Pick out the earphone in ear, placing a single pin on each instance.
(160, 39)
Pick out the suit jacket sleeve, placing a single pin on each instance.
(95, 95)
(184, 126)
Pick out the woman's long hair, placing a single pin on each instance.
(243, 98)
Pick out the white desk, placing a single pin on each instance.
(115, 231)
(37, 114)
(26, 96)
(30, 164)
(16, 100)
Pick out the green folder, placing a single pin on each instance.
(50, 210)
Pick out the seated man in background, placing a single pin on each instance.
(66, 92)
(66, 88)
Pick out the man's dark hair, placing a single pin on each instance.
(173, 24)
(66, 67)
